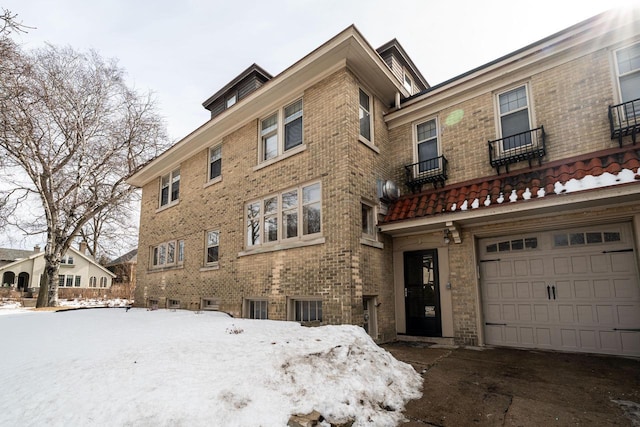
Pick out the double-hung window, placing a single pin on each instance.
(628, 68)
(286, 216)
(167, 254)
(427, 145)
(368, 221)
(365, 109)
(281, 131)
(514, 118)
(215, 162)
(170, 188)
(213, 244)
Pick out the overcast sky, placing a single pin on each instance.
(184, 51)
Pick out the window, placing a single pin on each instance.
(427, 142)
(68, 260)
(173, 303)
(213, 242)
(408, 83)
(170, 188)
(257, 309)
(103, 282)
(513, 245)
(307, 311)
(78, 281)
(589, 238)
(167, 254)
(514, 118)
(60, 280)
(69, 281)
(287, 123)
(628, 67)
(92, 282)
(291, 214)
(209, 304)
(231, 100)
(215, 162)
(365, 116)
(368, 221)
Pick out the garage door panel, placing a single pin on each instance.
(582, 289)
(596, 305)
(622, 262)
(630, 342)
(561, 266)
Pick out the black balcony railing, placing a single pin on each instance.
(516, 148)
(624, 120)
(427, 171)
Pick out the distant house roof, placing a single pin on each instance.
(611, 167)
(130, 257)
(7, 254)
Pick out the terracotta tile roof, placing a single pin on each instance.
(596, 170)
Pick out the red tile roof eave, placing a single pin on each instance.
(533, 200)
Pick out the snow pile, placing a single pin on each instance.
(7, 307)
(92, 302)
(163, 368)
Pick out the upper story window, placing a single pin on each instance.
(167, 254)
(215, 162)
(628, 68)
(427, 145)
(368, 221)
(292, 214)
(513, 108)
(231, 100)
(281, 131)
(67, 260)
(170, 188)
(365, 115)
(408, 83)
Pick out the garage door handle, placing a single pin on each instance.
(553, 288)
(495, 324)
(619, 250)
(626, 330)
(548, 292)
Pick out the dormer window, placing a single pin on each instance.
(231, 100)
(408, 83)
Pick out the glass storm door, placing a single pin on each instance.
(422, 295)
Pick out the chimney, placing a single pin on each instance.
(36, 248)
(83, 247)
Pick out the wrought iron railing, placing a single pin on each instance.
(624, 120)
(427, 171)
(523, 146)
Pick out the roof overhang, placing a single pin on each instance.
(347, 49)
(582, 201)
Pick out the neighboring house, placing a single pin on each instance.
(124, 268)
(518, 219)
(77, 270)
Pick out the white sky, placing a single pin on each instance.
(186, 51)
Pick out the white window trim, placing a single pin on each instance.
(211, 181)
(170, 202)
(617, 70)
(414, 129)
(291, 308)
(371, 239)
(212, 304)
(175, 264)
(405, 76)
(206, 249)
(498, 115)
(246, 307)
(281, 153)
(368, 142)
(300, 237)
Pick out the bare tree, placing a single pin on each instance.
(69, 121)
(9, 23)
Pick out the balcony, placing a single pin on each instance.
(427, 171)
(516, 148)
(624, 120)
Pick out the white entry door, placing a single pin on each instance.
(570, 290)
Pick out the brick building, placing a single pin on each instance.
(500, 207)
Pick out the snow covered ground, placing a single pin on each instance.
(115, 367)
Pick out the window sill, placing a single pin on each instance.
(212, 181)
(67, 265)
(161, 269)
(370, 242)
(167, 206)
(282, 246)
(285, 155)
(369, 144)
(210, 267)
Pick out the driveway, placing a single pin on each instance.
(505, 387)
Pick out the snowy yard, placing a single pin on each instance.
(162, 368)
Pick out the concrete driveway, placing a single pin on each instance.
(504, 387)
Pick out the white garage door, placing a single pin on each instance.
(570, 290)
